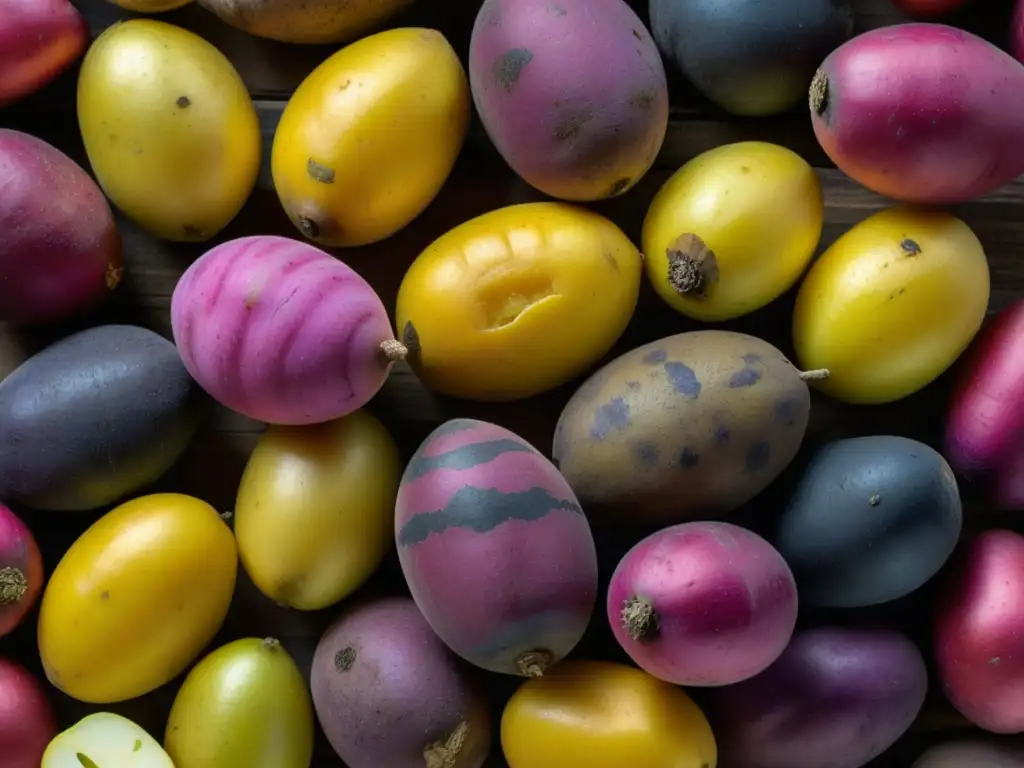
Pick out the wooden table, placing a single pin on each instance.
(481, 182)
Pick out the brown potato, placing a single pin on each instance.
(691, 425)
(306, 21)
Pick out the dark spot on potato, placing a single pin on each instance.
(637, 35)
(875, 500)
(344, 659)
(819, 96)
(556, 9)
(319, 172)
(896, 294)
(411, 338)
(749, 375)
(744, 169)
(191, 230)
(688, 458)
(655, 356)
(720, 432)
(463, 457)
(786, 411)
(183, 102)
(481, 510)
(633, 386)
(104, 595)
(643, 99)
(619, 187)
(570, 126)
(684, 381)
(509, 67)
(757, 457)
(610, 258)
(910, 247)
(647, 454)
(612, 415)
(309, 227)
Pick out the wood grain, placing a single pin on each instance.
(481, 182)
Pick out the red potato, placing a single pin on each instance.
(924, 113)
(21, 570)
(979, 632)
(928, 8)
(986, 414)
(703, 604)
(39, 39)
(1017, 31)
(27, 723)
(60, 252)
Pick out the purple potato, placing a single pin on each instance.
(836, 698)
(389, 694)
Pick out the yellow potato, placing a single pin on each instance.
(369, 138)
(315, 509)
(104, 739)
(732, 230)
(891, 304)
(136, 598)
(150, 6)
(517, 301)
(306, 21)
(170, 131)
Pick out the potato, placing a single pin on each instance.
(496, 550)
(921, 112)
(732, 230)
(1017, 31)
(150, 6)
(306, 21)
(891, 304)
(315, 510)
(674, 599)
(836, 698)
(693, 424)
(598, 714)
(169, 129)
(342, 178)
(750, 57)
(281, 331)
(39, 39)
(388, 693)
(517, 301)
(972, 754)
(572, 94)
(872, 519)
(74, 432)
(60, 253)
(985, 417)
(104, 739)
(979, 632)
(27, 723)
(21, 573)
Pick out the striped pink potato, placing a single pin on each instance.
(498, 555)
(282, 332)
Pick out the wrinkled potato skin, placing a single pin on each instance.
(306, 21)
(682, 427)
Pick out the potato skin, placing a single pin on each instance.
(924, 113)
(872, 519)
(39, 39)
(836, 698)
(27, 722)
(306, 21)
(979, 632)
(382, 659)
(1017, 31)
(891, 304)
(573, 93)
(495, 548)
(60, 253)
(517, 301)
(74, 433)
(985, 416)
(693, 424)
(342, 179)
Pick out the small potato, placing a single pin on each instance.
(39, 39)
(517, 301)
(973, 754)
(105, 739)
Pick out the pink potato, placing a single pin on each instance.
(979, 632)
(924, 113)
(986, 415)
(60, 253)
(571, 92)
(39, 39)
(21, 571)
(27, 723)
(497, 553)
(1017, 31)
(281, 331)
(703, 604)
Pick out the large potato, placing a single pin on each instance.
(306, 21)
(692, 424)
(572, 93)
(370, 136)
(169, 128)
(39, 39)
